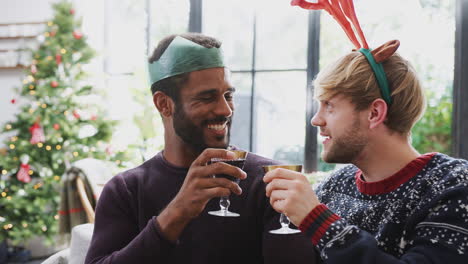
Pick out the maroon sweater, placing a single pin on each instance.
(125, 230)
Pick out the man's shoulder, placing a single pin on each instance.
(136, 174)
(447, 170)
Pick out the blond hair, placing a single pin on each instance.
(353, 77)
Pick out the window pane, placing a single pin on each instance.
(121, 107)
(280, 115)
(426, 30)
(168, 17)
(126, 45)
(240, 131)
(281, 36)
(232, 23)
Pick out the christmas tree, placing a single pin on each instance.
(57, 124)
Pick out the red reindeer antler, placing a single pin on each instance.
(348, 9)
(343, 12)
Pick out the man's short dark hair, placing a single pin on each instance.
(171, 86)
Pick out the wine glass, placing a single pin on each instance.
(284, 220)
(224, 202)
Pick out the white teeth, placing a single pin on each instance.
(217, 126)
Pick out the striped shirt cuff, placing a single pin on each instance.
(316, 223)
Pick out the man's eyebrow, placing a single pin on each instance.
(213, 91)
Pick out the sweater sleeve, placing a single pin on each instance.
(117, 238)
(442, 237)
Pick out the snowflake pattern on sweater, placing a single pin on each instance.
(425, 215)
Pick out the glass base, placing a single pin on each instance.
(224, 213)
(285, 230)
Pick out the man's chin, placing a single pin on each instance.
(221, 142)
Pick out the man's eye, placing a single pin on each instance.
(205, 98)
(228, 97)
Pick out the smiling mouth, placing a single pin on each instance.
(217, 127)
(325, 138)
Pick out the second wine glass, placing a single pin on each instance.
(284, 220)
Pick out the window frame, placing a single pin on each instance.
(460, 95)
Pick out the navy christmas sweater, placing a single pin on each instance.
(418, 215)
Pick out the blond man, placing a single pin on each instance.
(393, 204)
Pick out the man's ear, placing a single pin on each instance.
(163, 103)
(377, 113)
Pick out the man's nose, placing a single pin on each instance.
(224, 108)
(317, 120)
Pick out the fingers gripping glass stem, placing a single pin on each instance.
(284, 220)
(224, 202)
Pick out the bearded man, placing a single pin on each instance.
(158, 212)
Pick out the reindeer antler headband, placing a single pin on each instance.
(343, 12)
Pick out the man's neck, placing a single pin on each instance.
(179, 155)
(384, 158)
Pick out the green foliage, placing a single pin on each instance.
(57, 99)
(433, 132)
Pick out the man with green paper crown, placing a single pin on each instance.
(158, 212)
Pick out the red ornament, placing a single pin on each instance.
(76, 114)
(58, 59)
(109, 150)
(33, 69)
(13, 101)
(23, 173)
(52, 33)
(37, 134)
(77, 34)
(72, 11)
(54, 84)
(56, 126)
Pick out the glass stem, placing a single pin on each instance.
(284, 221)
(224, 203)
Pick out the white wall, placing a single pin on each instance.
(16, 11)
(20, 11)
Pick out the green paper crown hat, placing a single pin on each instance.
(182, 56)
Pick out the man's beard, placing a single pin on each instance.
(346, 148)
(192, 134)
